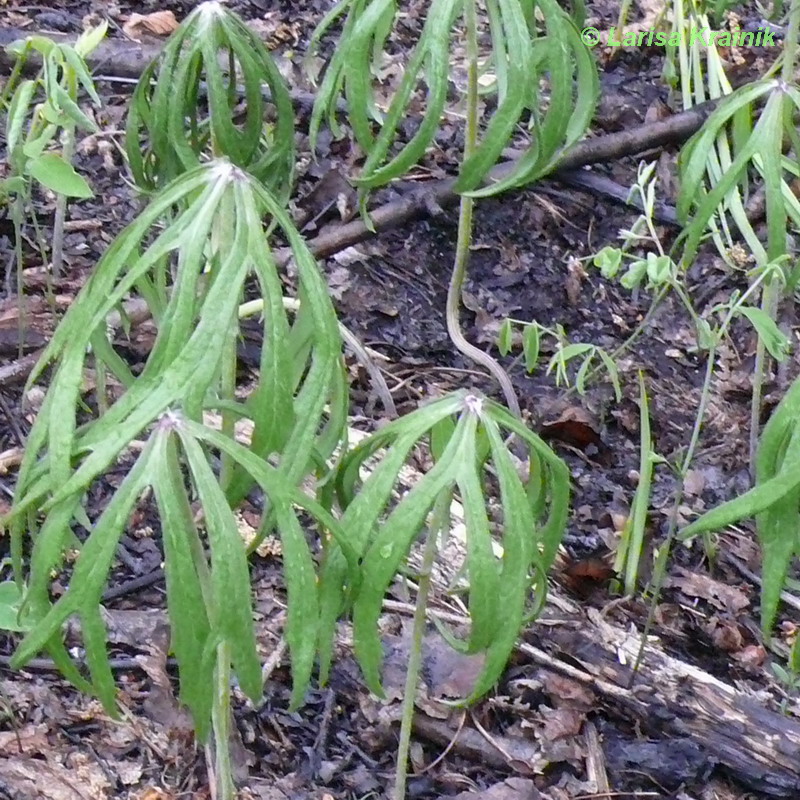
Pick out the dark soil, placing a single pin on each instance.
(529, 261)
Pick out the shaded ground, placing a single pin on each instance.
(391, 291)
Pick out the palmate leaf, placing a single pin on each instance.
(520, 58)
(186, 356)
(574, 90)
(89, 578)
(166, 106)
(209, 603)
(220, 238)
(382, 533)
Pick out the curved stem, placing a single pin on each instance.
(465, 226)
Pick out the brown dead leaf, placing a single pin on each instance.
(585, 576)
(725, 634)
(752, 657)
(564, 691)
(159, 23)
(447, 673)
(576, 275)
(694, 483)
(574, 427)
(562, 723)
(720, 595)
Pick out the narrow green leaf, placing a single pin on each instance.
(757, 500)
(53, 172)
(232, 613)
(187, 591)
(504, 337)
(774, 339)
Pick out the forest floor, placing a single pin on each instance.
(540, 733)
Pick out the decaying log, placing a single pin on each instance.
(671, 699)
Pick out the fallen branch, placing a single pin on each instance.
(671, 700)
(758, 747)
(119, 58)
(430, 197)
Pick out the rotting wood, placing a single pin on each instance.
(758, 747)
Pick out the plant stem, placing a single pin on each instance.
(440, 518)
(228, 392)
(61, 209)
(465, 224)
(17, 212)
(221, 723)
(790, 42)
(660, 571)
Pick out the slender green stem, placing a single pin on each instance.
(17, 213)
(228, 392)
(11, 82)
(71, 80)
(221, 723)
(440, 518)
(769, 304)
(61, 209)
(790, 42)
(465, 224)
(660, 571)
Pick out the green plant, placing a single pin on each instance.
(773, 502)
(33, 129)
(629, 550)
(717, 168)
(216, 238)
(218, 196)
(659, 273)
(521, 55)
(529, 42)
(465, 433)
(187, 106)
(566, 354)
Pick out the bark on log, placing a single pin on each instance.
(670, 698)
